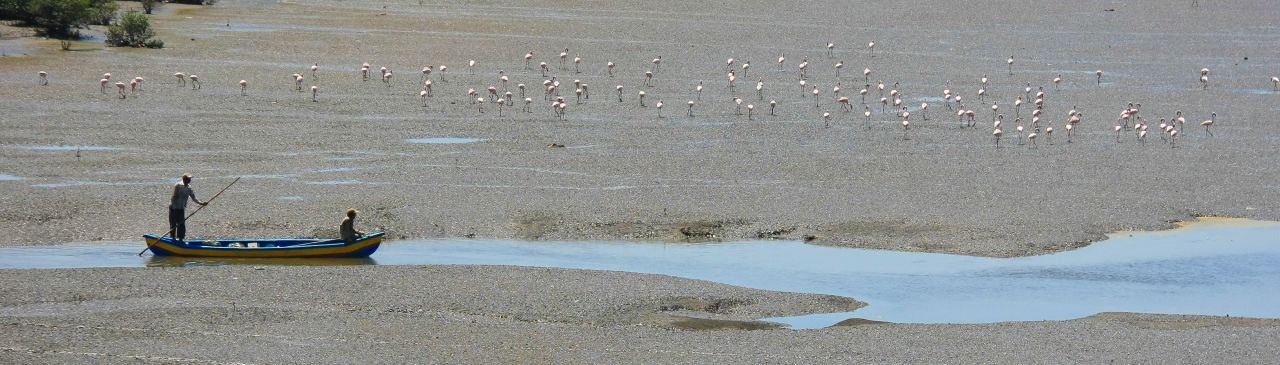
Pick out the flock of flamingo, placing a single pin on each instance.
(1131, 118)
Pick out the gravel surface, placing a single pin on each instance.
(624, 173)
(493, 314)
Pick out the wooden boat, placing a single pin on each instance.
(265, 248)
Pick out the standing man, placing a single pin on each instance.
(348, 227)
(178, 206)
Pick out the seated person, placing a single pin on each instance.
(347, 229)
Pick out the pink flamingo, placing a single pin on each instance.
(641, 98)
(1209, 123)
(659, 106)
(691, 108)
(315, 66)
(103, 85)
(120, 88)
(619, 88)
(244, 88)
(1010, 63)
(297, 81)
(195, 82)
(315, 92)
(528, 58)
(657, 64)
(471, 66)
(831, 46)
(609, 66)
(772, 105)
(182, 79)
(750, 109)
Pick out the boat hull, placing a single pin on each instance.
(268, 248)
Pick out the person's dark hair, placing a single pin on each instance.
(351, 213)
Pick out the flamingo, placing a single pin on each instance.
(839, 66)
(195, 82)
(244, 88)
(1048, 134)
(480, 105)
(544, 68)
(844, 103)
(44, 78)
(1209, 123)
(1019, 129)
(297, 81)
(831, 46)
(120, 88)
(426, 86)
(863, 93)
(578, 93)
(1032, 137)
(1204, 82)
(364, 72)
(443, 70)
(471, 66)
(564, 55)
(729, 65)
(315, 66)
(923, 107)
(315, 92)
(737, 105)
(182, 78)
(691, 108)
(802, 88)
(815, 96)
(103, 85)
(1275, 83)
(760, 89)
(657, 64)
(423, 94)
(641, 98)
(648, 76)
(500, 102)
(745, 66)
(528, 58)
(782, 59)
(906, 127)
(133, 87)
(1179, 119)
(826, 120)
(698, 89)
(866, 112)
(1099, 73)
(508, 97)
(1173, 139)
(386, 78)
(659, 106)
(1057, 81)
(750, 109)
(732, 77)
(577, 61)
(527, 103)
(772, 104)
(997, 133)
(804, 65)
(1119, 130)
(835, 91)
(139, 80)
(871, 47)
(619, 87)
(106, 76)
(1010, 63)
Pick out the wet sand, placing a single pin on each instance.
(624, 173)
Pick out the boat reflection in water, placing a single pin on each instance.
(179, 261)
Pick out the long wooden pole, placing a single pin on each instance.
(184, 219)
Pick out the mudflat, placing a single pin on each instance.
(625, 173)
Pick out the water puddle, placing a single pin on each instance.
(52, 148)
(443, 140)
(335, 182)
(1217, 267)
(7, 177)
(1256, 91)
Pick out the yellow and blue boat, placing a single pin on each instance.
(265, 248)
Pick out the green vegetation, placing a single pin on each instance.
(149, 5)
(133, 30)
(59, 18)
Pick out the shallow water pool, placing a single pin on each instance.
(1228, 267)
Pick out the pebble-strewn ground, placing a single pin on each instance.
(624, 173)
(459, 314)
